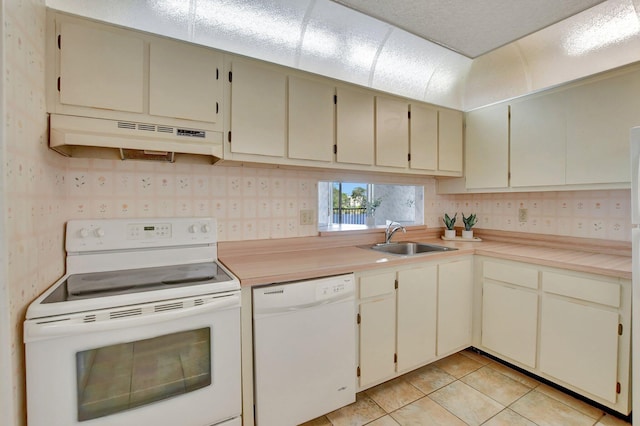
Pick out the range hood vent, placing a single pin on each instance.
(75, 136)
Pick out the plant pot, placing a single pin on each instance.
(467, 234)
(449, 233)
(370, 220)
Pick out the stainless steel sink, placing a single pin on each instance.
(408, 248)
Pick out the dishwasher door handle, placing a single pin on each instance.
(257, 311)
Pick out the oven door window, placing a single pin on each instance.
(119, 377)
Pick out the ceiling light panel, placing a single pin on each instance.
(340, 43)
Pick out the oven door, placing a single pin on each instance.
(173, 362)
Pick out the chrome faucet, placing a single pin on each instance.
(392, 227)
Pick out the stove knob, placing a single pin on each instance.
(205, 228)
(99, 232)
(193, 229)
(83, 233)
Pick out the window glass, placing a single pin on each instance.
(353, 205)
(118, 377)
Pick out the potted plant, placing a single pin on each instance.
(370, 210)
(469, 221)
(450, 222)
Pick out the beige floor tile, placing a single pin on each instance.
(394, 394)
(384, 421)
(609, 420)
(458, 365)
(425, 411)
(507, 417)
(572, 402)
(515, 375)
(496, 385)
(468, 404)
(320, 421)
(546, 411)
(361, 412)
(475, 356)
(429, 378)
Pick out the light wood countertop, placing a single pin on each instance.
(275, 261)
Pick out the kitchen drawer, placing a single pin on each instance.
(591, 290)
(512, 274)
(377, 285)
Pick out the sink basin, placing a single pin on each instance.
(409, 248)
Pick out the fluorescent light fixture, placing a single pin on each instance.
(615, 23)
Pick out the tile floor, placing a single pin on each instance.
(466, 389)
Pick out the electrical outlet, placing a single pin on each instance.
(523, 215)
(306, 217)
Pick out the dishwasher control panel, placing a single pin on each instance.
(331, 289)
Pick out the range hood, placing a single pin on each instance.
(75, 136)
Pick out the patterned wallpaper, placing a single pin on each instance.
(44, 190)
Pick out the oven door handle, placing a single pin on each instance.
(39, 329)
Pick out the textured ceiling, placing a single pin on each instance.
(471, 28)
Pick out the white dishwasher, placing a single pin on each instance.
(304, 349)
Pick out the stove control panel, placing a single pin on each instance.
(119, 234)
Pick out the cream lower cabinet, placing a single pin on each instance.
(410, 316)
(510, 311)
(579, 333)
(568, 327)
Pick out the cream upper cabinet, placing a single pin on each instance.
(455, 296)
(599, 117)
(392, 132)
(355, 126)
(450, 141)
(185, 81)
(101, 68)
(487, 147)
(423, 137)
(311, 119)
(538, 140)
(258, 109)
(417, 309)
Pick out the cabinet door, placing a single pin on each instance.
(599, 117)
(355, 126)
(510, 322)
(423, 137)
(258, 110)
(392, 132)
(311, 120)
(101, 68)
(487, 147)
(450, 141)
(184, 81)
(377, 339)
(538, 141)
(416, 326)
(455, 293)
(579, 345)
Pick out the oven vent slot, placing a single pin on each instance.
(125, 125)
(198, 302)
(89, 318)
(127, 313)
(167, 307)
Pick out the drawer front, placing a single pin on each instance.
(376, 285)
(512, 274)
(591, 290)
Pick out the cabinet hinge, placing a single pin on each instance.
(409, 114)
(619, 329)
(58, 84)
(395, 358)
(358, 319)
(618, 387)
(396, 284)
(217, 74)
(59, 41)
(409, 157)
(335, 99)
(229, 137)
(230, 76)
(358, 371)
(335, 149)
(217, 107)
